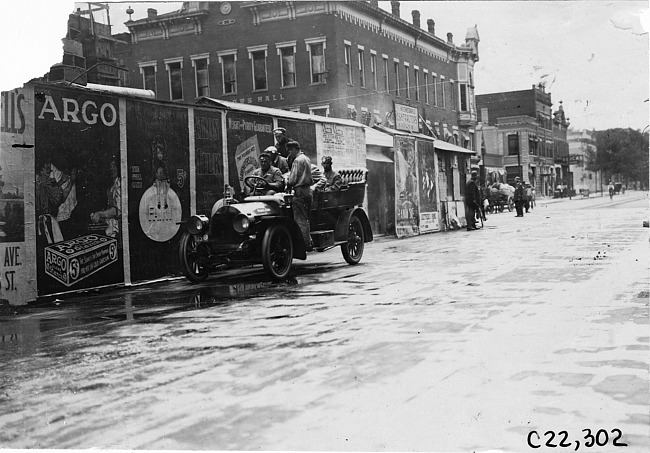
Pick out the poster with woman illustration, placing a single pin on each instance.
(407, 205)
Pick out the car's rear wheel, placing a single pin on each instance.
(511, 204)
(352, 250)
(189, 253)
(277, 251)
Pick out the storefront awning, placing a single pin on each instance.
(376, 156)
(446, 146)
(377, 138)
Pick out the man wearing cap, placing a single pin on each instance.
(300, 179)
(281, 141)
(270, 174)
(334, 180)
(277, 160)
(472, 200)
(520, 197)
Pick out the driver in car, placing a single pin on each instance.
(270, 174)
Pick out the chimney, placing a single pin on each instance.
(450, 38)
(432, 26)
(394, 4)
(151, 13)
(416, 18)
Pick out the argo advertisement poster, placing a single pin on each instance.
(77, 190)
(158, 165)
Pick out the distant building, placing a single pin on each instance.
(521, 136)
(88, 51)
(581, 147)
(343, 59)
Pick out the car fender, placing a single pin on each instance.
(341, 230)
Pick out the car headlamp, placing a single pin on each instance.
(197, 224)
(241, 223)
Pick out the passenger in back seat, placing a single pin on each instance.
(334, 180)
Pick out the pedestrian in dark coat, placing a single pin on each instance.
(281, 141)
(472, 201)
(520, 197)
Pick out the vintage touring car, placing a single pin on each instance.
(261, 229)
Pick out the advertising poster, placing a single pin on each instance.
(407, 209)
(17, 279)
(344, 144)
(77, 190)
(429, 216)
(305, 134)
(247, 135)
(158, 186)
(247, 159)
(208, 141)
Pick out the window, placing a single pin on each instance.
(287, 53)
(348, 62)
(452, 95)
(362, 68)
(463, 97)
(426, 86)
(396, 69)
(435, 89)
(201, 79)
(416, 75)
(443, 103)
(365, 116)
(532, 145)
(407, 79)
(513, 145)
(320, 110)
(316, 48)
(258, 55)
(386, 86)
(175, 74)
(228, 60)
(148, 71)
(373, 69)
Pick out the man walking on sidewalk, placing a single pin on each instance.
(472, 200)
(520, 197)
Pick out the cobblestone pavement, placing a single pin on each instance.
(459, 341)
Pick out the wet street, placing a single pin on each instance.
(458, 341)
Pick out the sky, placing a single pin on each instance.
(592, 54)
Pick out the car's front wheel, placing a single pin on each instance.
(352, 250)
(277, 251)
(189, 253)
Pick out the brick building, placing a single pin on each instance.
(343, 59)
(523, 137)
